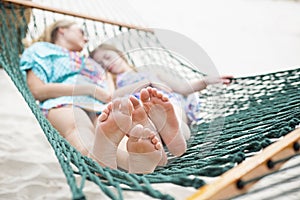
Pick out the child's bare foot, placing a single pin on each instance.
(114, 122)
(145, 150)
(139, 116)
(161, 112)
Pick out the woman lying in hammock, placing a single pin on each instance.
(179, 92)
(72, 89)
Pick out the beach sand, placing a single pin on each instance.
(29, 168)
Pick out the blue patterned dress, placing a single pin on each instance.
(54, 64)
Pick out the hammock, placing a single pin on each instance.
(256, 110)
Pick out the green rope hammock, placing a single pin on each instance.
(258, 110)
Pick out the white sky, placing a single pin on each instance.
(242, 37)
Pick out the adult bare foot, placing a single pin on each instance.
(161, 112)
(139, 116)
(114, 122)
(145, 150)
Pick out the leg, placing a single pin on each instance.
(178, 103)
(74, 125)
(122, 154)
(184, 128)
(145, 150)
(162, 113)
(114, 122)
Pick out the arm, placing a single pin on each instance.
(110, 82)
(186, 87)
(42, 91)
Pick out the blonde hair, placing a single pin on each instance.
(50, 33)
(110, 47)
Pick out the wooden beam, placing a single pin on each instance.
(31, 4)
(226, 186)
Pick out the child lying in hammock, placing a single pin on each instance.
(175, 131)
(72, 89)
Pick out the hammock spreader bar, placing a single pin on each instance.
(233, 182)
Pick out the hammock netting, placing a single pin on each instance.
(237, 121)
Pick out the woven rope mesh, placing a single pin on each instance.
(236, 120)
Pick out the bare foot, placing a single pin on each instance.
(145, 150)
(114, 122)
(161, 112)
(139, 116)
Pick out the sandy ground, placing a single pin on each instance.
(242, 38)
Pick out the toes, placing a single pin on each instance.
(116, 104)
(106, 111)
(153, 138)
(136, 131)
(165, 98)
(156, 142)
(159, 95)
(122, 105)
(162, 96)
(158, 146)
(154, 92)
(109, 107)
(144, 95)
(103, 116)
(126, 107)
(147, 133)
(135, 102)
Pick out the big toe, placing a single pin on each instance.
(122, 114)
(135, 102)
(122, 105)
(144, 95)
(136, 131)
